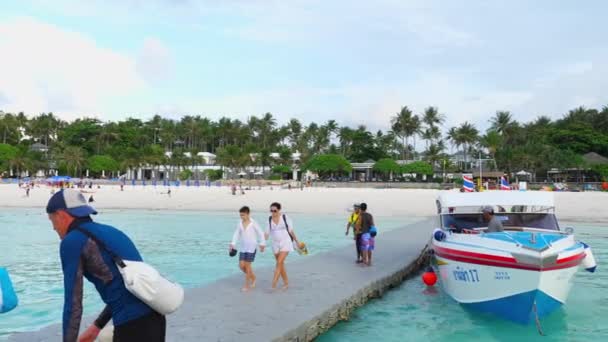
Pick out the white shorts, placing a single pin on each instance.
(282, 246)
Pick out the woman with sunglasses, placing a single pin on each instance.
(280, 230)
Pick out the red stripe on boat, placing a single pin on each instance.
(575, 257)
(508, 265)
(460, 253)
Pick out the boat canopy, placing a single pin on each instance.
(502, 201)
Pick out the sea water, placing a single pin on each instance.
(413, 312)
(188, 247)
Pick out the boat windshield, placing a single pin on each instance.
(470, 221)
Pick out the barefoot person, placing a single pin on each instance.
(367, 240)
(353, 222)
(248, 233)
(82, 257)
(280, 229)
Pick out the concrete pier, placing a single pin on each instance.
(324, 289)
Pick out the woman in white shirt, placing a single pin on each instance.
(280, 227)
(248, 233)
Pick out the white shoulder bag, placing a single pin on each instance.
(144, 281)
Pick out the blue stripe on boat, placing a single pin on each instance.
(520, 307)
(541, 240)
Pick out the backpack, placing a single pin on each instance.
(286, 225)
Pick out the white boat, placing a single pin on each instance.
(522, 273)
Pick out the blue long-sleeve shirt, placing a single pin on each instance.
(81, 256)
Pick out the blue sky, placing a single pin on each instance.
(356, 62)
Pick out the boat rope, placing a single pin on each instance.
(537, 320)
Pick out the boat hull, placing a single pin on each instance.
(518, 295)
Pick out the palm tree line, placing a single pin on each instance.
(89, 143)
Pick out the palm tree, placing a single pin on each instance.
(10, 128)
(295, 130)
(74, 159)
(345, 135)
(492, 141)
(231, 156)
(20, 161)
(432, 119)
(267, 125)
(405, 125)
(502, 122)
(452, 137)
(434, 153)
(466, 136)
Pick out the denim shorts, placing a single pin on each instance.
(249, 257)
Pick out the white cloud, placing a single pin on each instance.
(46, 68)
(155, 62)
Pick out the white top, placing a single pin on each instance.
(278, 232)
(248, 237)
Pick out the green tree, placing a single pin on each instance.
(419, 168)
(232, 157)
(387, 167)
(73, 157)
(7, 153)
(328, 165)
(466, 135)
(101, 163)
(405, 125)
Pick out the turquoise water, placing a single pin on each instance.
(189, 247)
(413, 313)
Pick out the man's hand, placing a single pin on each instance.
(90, 334)
(231, 247)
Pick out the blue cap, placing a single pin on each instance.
(72, 201)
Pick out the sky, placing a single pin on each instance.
(357, 62)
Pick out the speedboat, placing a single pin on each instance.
(522, 273)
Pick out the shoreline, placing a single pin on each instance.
(588, 207)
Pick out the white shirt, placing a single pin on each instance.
(278, 232)
(248, 237)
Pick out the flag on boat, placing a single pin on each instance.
(504, 184)
(467, 183)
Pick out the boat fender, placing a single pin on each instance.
(439, 234)
(429, 278)
(589, 262)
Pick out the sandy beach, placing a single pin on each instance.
(570, 206)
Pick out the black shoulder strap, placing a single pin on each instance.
(285, 220)
(115, 257)
(287, 227)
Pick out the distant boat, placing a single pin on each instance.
(523, 273)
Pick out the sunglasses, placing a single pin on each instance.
(274, 211)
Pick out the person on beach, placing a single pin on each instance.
(367, 240)
(280, 229)
(353, 222)
(81, 257)
(249, 234)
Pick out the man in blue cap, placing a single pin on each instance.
(81, 257)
